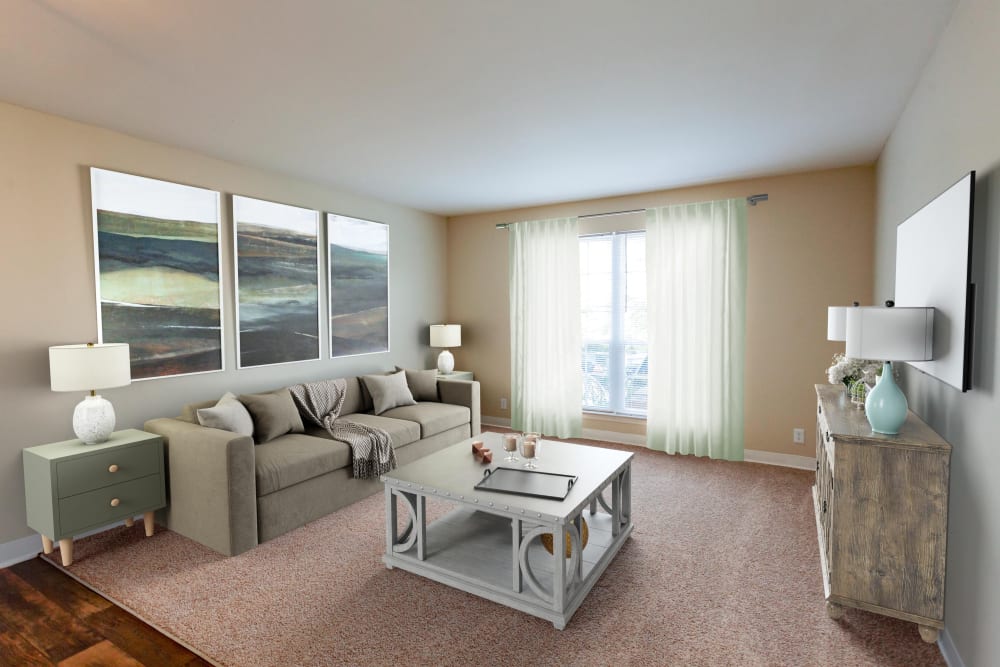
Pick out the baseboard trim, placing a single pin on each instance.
(615, 436)
(749, 455)
(948, 650)
(18, 551)
(778, 459)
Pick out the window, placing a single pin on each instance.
(613, 322)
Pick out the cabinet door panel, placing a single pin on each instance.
(889, 541)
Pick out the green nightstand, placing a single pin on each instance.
(455, 375)
(71, 487)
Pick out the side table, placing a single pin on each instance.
(71, 487)
(455, 375)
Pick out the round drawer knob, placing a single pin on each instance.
(115, 502)
(113, 467)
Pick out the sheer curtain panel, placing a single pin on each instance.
(696, 267)
(546, 380)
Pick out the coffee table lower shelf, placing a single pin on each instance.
(474, 551)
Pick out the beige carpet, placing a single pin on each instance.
(722, 569)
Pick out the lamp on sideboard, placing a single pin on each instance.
(836, 322)
(89, 367)
(892, 334)
(446, 335)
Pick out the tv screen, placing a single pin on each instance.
(933, 268)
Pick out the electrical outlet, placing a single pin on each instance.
(799, 436)
(503, 403)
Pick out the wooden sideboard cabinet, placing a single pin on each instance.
(881, 514)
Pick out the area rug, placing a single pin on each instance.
(721, 569)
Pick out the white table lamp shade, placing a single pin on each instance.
(890, 334)
(836, 323)
(87, 367)
(446, 335)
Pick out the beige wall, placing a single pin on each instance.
(47, 278)
(810, 246)
(950, 126)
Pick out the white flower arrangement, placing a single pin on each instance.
(848, 371)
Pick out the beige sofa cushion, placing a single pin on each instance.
(388, 391)
(356, 398)
(273, 415)
(294, 458)
(228, 414)
(401, 433)
(189, 413)
(423, 384)
(433, 418)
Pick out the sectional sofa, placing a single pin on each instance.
(231, 494)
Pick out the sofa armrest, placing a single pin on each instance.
(212, 485)
(463, 392)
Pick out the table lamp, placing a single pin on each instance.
(446, 335)
(89, 367)
(836, 322)
(892, 334)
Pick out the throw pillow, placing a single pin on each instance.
(423, 384)
(388, 391)
(228, 414)
(273, 414)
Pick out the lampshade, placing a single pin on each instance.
(890, 334)
(89, 366)
(836, 323)
(446, 335)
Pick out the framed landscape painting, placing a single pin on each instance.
(156, 255)
(277, 282)
(359, 285)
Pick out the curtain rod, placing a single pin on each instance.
(752, 200)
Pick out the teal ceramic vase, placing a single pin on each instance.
(886, 404)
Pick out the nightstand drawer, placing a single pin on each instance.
(95, 508)
(104, 468)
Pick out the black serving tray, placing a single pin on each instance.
(522, 482)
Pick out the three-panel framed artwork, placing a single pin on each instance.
(158, 262)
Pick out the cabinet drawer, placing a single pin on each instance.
(86, 473)
(94, 508)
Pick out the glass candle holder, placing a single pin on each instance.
(530, 444)
(510, 445)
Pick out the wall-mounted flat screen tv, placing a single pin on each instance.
(933, 268)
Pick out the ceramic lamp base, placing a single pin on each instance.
(886, 405)
(94, 420)
(446, 362)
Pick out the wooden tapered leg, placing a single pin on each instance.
(46, 545)
(928, 634)
(130, 522)
(66, 551)
(147, 518)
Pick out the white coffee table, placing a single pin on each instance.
(488, 544)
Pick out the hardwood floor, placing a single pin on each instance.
(47, 618)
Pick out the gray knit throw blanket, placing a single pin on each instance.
(371, 448)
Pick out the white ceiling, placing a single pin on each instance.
(456, 106)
